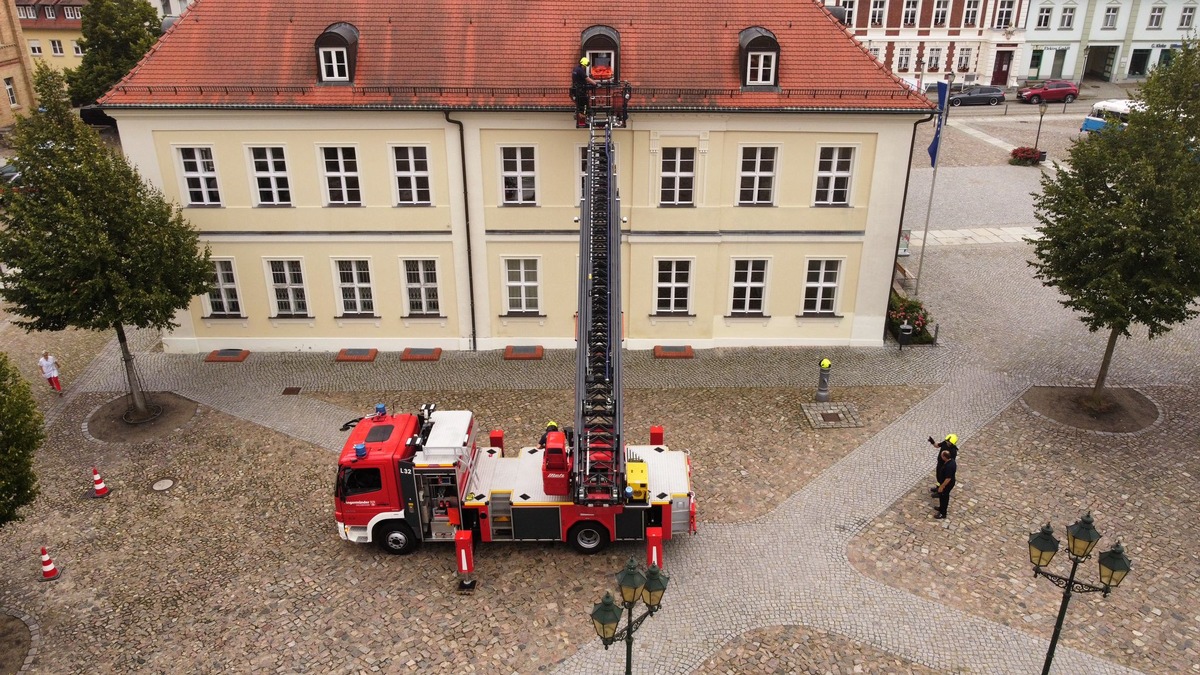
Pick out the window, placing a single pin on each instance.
(1110, 17)
(287, 281)
(1035, 61)
(601, 44)
(76, 48)
(334, 64)
(848, 7)
(964, 58)
(223, 298)
(1156, 17)
(833, 177)
(1067, 20)
(1188, 17)
(601, 62)
(756, 179)
(270, 176)
(760, 68)
(341, 176)
(354, 284)
(934, 59)
(166, 7)
(941, 9)
(359, 481)
(50, 13)
(678, 176)
(521, 285)
(971, 12)
(200, 176)
(56, 47)
(72, 13)
(412, 175)
(583, 158)
(820, 286)
(672, 287)
(876, 52)
(909, 17)
(903, 56)
(26, 12)
(877, 12)
(35, 47)
(519, 175)
(749, 287)
(1044, 16)
(1004, 14)
(420, 286)
(11, 91)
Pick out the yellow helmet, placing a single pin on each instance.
(584, 61)
(551, 424)
(952, 438)
(825, 363)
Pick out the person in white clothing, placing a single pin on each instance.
(49, 366)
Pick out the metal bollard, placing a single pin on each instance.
(823, 382)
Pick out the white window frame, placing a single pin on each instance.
(290, 286)
(1112, 15)
(427, 291)
(417, 180)
(877, 52)
(56, 47)
(748, 284)
(1004, 13)
(335, 64)
(833, 175)
(228, 292)
(676, 174)
(1187, 17)
(519, 175)
(821, 285)
(50, 13)
(970, 15)
(581, 183)
(72, 13)
(343, 175)
(1066, 20)
(272, 175)
(878, 12)
(911, 12)
(361, 303)
(1044, 18)
(903, 58)
(933, 62)
(1156, 17)
(963, 56)
(760, 68)
(76, 48)
(941, 12)
(35, 47)
(527, 305)
(11, 91)
(26, 12)
(758, 174)
(595, 55)
(848, 8)
(673, 286)
(208, 183)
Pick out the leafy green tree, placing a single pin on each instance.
(87, 242)
(20, 435)
(1121, 225)
(116, 35)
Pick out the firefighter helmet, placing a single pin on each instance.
(552, 425)
(584, 61)
(952, 438)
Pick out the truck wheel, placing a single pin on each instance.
(588, 537)
(396, 538)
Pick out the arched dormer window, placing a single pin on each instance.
(601, 45)
(760, 57)
(337, 53)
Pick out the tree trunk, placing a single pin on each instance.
(1112, 343)
(141, 410)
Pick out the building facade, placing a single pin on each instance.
(360, 194)
(15, 67)
(52, 31)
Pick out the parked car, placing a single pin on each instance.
(978, 96)
(1051, 91)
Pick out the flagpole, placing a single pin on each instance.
(937, 159)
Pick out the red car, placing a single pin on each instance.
(1050, 90)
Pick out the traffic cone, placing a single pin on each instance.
(98, 488)
(49, 571)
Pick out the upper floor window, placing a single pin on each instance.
(337, 49)
(50, 13)
(756, 178)
(833, 177)
(76, 48)
(1156, 17)
(941, 9)
(678, 176)
(848, 8)
(200, 176)
(878, 12)
(601, 44)
(56, 47)
(26, 12)
(518, 174)
(1066, 20)
(971, 13)
(270, 176)
(1187, 17)
(341, 176)
(412, 175)
(72, 13)
(35, 47)
(760, 57)
(910, 12)
(11, 91)
(1004, 14)
(1044, 16)
(1110, 17)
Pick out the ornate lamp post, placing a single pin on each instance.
(606, 614)
(1081, 539)
(1042, 107)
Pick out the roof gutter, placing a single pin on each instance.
(462, 163)
(514, 108)
(903, 206)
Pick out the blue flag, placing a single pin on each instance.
(943, 92)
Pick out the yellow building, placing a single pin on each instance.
(15, 67)
(52, 31)
(411, 177)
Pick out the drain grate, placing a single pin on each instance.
(291, 391)
(831, 417)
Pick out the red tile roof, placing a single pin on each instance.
(504, 54)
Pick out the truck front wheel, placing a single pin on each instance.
(588, 537)
(396, 537)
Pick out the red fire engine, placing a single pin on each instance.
(403, 479)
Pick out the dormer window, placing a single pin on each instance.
(600, 45)
(337, 51)
(760, 57)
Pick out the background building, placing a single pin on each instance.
(52, 30)
(15, 67)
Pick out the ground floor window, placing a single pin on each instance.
(820, 286)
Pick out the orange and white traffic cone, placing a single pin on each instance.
(98, 488)
(49, 571)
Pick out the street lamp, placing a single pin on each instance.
(1081, 539)
(1042, 107)
(606, 614)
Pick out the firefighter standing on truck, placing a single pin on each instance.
(581, 82)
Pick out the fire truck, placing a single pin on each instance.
(408, 478)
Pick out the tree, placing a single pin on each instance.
(116, 35)
(1121, 227)
(87, 242)
(20, 435)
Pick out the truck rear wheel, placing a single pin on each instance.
(396, 538)
(588, 537)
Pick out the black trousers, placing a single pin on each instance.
(944, 499)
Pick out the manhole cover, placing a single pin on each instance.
(164, 484)
(291, 391)
(831, 416)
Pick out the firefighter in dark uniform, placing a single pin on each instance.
(581, 82)
(950, 444)
(551, 427)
